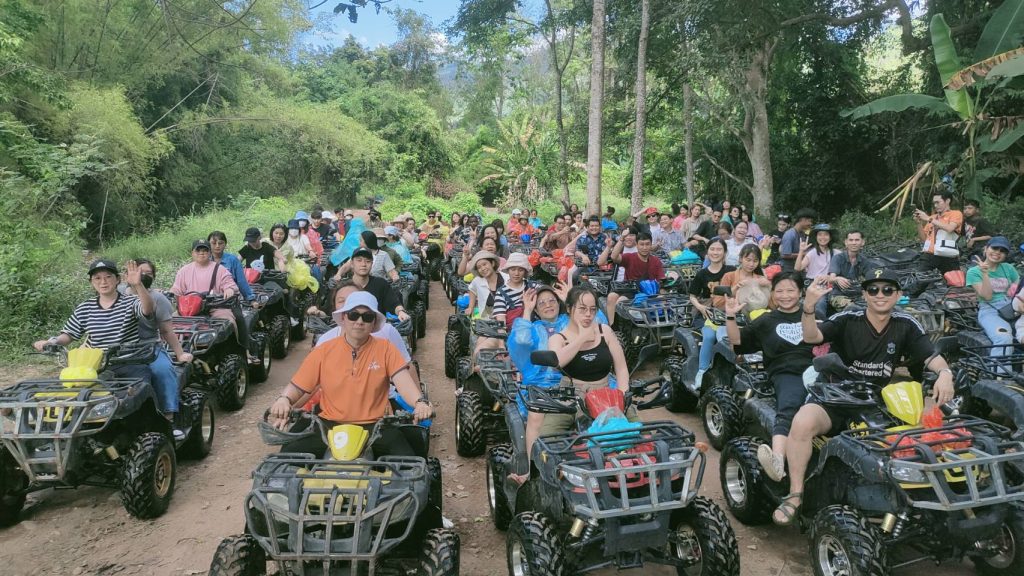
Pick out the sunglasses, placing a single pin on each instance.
(887, 290)
(366, 317)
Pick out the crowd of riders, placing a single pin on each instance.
(783, 276)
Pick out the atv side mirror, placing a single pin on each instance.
(544, 358)
(722, 291)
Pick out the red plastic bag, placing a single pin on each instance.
(599, 400)
(251, 276)
(190, 304)
(771, 271)
(955, 278)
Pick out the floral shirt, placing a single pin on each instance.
(592, 246)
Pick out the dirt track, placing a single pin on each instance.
(88, 532)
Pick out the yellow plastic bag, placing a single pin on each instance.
(83, 364)
(300, 278)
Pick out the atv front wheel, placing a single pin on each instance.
(279, 335)
(497, 468)
(232, 382)
(1010, 558)
(470, 439)
(239, 556)
(200, 436)
(844, 542)
(147, 478)
(260, 372)
(440, 553)
(743, 482)
(720, 415)
(702, 536)
(419, 317)
(682, 400)
(436, 495)
(452, 347)
(533, 547)
(13, 483)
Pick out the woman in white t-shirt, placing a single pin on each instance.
(735, 243)
(483, 290)
(814, 261)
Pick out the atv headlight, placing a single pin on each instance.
(573, 478)
(204, 339)
(102, 411)
(636, 315)
(900, 472)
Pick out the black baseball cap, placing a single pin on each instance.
(880, 275)
(200, 245)
(103, 264)
(252, 234)
(362, 253)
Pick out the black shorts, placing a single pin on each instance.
(841, 418)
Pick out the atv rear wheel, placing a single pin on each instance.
(533, 548)
(440, 553)
(702, 536)
(147, 478)
(13, 483)
(239, 556)
(260, 372)
(497, 468)
(743, 482)
(279, 335)
(470, 437)
(452, 346)
(200, 436)
(682, 400)
(232, 382)
(720, 415)
(844, 542)
(419, 316)
(1010, 559)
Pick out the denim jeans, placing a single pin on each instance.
(707, 345)
(997, 329)
(165, 382)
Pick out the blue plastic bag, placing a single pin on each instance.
(350, 244)
(613, 420)
(650, 287)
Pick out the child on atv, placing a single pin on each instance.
(871, 342)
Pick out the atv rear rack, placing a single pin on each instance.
(960, 465)
(304, 509)
(662, 310)
(38, 431)
(627, 473)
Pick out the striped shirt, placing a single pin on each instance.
(508, 298)
(105, 327)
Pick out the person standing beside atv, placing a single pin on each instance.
(939, 232)
(111, 318)
(259, 255)
(355, 373)
(778, 336)
(165, 378)
(642, 265)
(218, 241)
(871, 343)
(993, 280)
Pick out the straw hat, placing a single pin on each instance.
(484, 255)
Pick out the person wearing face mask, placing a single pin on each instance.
(218, 242)
(297, 245)
(154, 329)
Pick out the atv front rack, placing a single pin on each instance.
(39, 419)
(979, 362)
(965, 463)
(662, 310)
(304, 509)
(189, 328)
(649, 469)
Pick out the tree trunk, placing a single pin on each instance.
(563, 139)
(758, 138)
(640, 137)
(688, 141)
(596, 110)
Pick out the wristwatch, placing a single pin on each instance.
(730, 317)
(423, 400)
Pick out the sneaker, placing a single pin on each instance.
(446, 523)
(179, 435)
(698, 378)
(773, 464)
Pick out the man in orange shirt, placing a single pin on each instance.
(950, 223)
(354, 373)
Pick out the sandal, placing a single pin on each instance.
(772, 464)
(787, 509)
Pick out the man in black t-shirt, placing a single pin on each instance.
(977, 230)
(707, 231)
(255, 251)
(872, 343)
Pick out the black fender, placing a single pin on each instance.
(691, 353)
(759, 414)
(1005, 396)
(852, 454)
(516, 423)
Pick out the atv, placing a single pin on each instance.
(219, 363)
(620, 497)
(90, 428)
(643, 319)
(296, 302)
(274, 315)
(346, 512)
(260, 359)
(990, 381)
(898, 481)
(478, 406)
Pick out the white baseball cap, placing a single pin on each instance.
(357, 299)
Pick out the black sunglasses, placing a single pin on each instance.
(887, 290)
(366, 317)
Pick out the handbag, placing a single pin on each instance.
(945, 244)
(1006, 311)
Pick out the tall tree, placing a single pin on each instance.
(640, 137)
(596, 109)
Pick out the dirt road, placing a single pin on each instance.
(87, 531)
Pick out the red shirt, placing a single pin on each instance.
(637, 269)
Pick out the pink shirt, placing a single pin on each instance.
(192, 278)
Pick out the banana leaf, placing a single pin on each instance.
(1006, 65)
(899, 103)
(1005, 140)
(1004, 31)
(1010, 68)
(948, 63)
